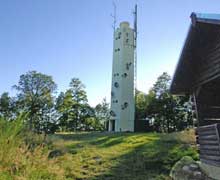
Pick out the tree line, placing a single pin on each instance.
(69, 111)
(164, 111)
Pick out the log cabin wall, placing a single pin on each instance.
(208, 103)
(204, 68)
(208, 141)
(198, 74)
(206, 64)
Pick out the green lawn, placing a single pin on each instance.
(121, 155)
(88, 156)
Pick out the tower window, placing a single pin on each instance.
(117, 49)
(127, 40)
(127, 34)
(116, 84)
(128, 65)
(112, 113)
(124, 75)
(125, 105)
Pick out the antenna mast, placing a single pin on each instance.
(135, 48)
(114, 16)
(135, 25)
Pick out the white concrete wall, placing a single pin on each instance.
(122, 97)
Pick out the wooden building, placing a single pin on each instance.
(198, 74)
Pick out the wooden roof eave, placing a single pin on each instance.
(174, 89)
(182, 82)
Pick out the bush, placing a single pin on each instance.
(10, 142)
(23, 154)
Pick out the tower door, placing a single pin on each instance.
(111, 125)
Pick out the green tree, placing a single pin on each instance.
(140, 105)
(36, 97)
(170, 113)
(7, 104)
(162, 85)
(64, 104)
(102, 114)
(73, 107)
(93, 124)
(80, 103)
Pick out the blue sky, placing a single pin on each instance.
(73, 38)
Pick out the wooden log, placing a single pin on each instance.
(208, 137)
(205, 67)
(208, 75)
(212, 119)
(210, 162)
(210, 157)
(210, 60)
(206, 133)
(205, 128)
(209, 152)
(215, 107)
(210, 147)
(207, 142)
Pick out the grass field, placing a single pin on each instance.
(122, 155)
(88, 156)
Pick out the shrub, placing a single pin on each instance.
(23, 154)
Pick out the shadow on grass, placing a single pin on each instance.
(99, 139)
(109, 140)
(79, 136)
(118, 138)
(152, 160)
(150, 155)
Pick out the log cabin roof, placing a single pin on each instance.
(201, 42)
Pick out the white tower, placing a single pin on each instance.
(123, 77)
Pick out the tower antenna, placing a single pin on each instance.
(135, 25)
(114, 16)
(135, 49)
